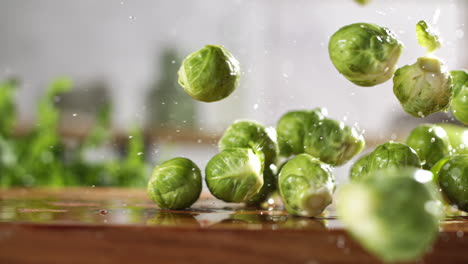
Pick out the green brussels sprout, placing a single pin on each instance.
(366, 54)
(458, 137)
(423, 88)
(426, 36)
(430, 142)
(313, 133)
(250, 134)
(385, 156)
(269, 186)
(235, 175)
(362, 2)
(210, 74)
(333, 142)
(292, 128)
(175, 184)
(452, 177)
(392, 214)
(459, 105)
(360, 167)
(306, 185)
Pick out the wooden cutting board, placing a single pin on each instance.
(102, 225)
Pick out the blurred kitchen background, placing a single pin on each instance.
(127, 53)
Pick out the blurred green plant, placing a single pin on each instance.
(40, 157)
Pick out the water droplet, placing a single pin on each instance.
(173, 61)
(132, 17)
(140, 153)
(130, 137)
(340, 242)
(460, 233)
(103, 211)
(75, 114)
(255, 106)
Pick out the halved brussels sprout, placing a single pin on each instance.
(424, 87)
(366, 54)
(313, 133)
(210, 74)
(175, 184)
(393, 213)
(459, 106)
(452, 177)
(250, 134)
(235, 175)
(385, 156)
(458, 137)
(270, 183)
(426, 36)
(430, 142)
(306, 185)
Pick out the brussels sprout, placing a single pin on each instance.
(430, 142)
(424, 87)
(268, 188)
(210, 74)
(175, 184)
(362, 2)
(426, 36)
(360, 167)
(392, 214)
(458, 137)
(333, 142)
(385, 156)
(250, 134)
(366, 54)
(459, 106)
(453, 180)
(306, 185)
(292, 129)
(313, 133)
(235, 175)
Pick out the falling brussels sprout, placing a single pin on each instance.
(235, 175)
(250, 134)
(385, 156)
(366, 54)
(430, 142)
(360, 167)
(269, 186)
(458, 137)
(210, 74)
(452, 177)
(175, 184)
(424, 87)
(459, 105)
(363, 2)
(392, 214)
(306, 185)
(292, 128)
(313, 133)
(427, 37)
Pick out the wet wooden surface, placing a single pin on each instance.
(98, 225)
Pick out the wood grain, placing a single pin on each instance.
(70, 226)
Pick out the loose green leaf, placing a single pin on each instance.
(427, 37)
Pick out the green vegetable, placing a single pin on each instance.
(269, 186)
(175, 184)
(362, 2)
(426, 36)
(366, 54)
(235, 175)
(458, 137)
(459, 106)
(452, 177)
(385, 156)
(210, 74)
(7, 107)
(392, 213)
(423, 88)
(250, 134)
(430, 142)
(306, 185)
(313, 133)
